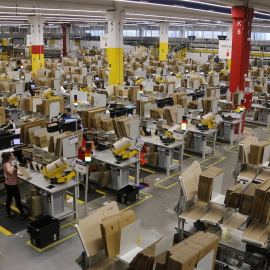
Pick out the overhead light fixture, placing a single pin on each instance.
(206, 3)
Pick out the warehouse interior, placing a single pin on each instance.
(135, 134)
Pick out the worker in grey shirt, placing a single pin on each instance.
(26, 93)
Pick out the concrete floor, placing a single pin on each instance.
(154, 208)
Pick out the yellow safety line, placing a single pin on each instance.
(101, 192)
(144, 169)
(212, 141)
(17, 210)
(132, 177)
(55, 243)
(157, 184)
(175, 160)
(144, 199)
(70, 223)
(187, 155)
(214, 162)
(4, 231)
(267, 130)
(229, 149)
(247, 128)
(79, 201)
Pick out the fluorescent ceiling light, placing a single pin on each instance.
(206, 3)
(54, 9)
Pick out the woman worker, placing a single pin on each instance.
(11, 184)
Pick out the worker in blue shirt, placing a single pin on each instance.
(68, 113)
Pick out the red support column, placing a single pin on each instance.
(242, 21)
(64, 27)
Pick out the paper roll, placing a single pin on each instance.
(207, 116)
(123, 142)
(55, 165)
(47, 91)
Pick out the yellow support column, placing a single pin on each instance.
(229, 63)
(163, 41)
(115, 46)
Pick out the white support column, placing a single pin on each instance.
(37, 47)
(163, 40)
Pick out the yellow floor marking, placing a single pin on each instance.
(144, 169)
(55, 243)
(187, 155)
(4, 231)
(79, 201)
(267, 130)
(247, 128)
(212, 141)
(215, 157)
(229, 149)
(132, 177)
(59, 241)
(157, 184)
(101, 192)
(17, 210)
(143, 199)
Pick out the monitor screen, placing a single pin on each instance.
(17, 142)
(19, 69)
(52, 125)
(96, 78)
(70, 120)
(32, 86)
(65, 82)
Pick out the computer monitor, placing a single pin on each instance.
(70, 120)
(33, 86)
(17, 142)
(96, 78)
(65, 82)
(19, 69)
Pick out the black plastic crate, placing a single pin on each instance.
(43, 231)
(127, 194)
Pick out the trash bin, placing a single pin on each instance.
(43, 231)
(127, 194)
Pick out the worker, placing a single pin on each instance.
(9, 123)
(26, 93)
(11, 185)
(68, 113)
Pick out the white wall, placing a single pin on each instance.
(196, 56)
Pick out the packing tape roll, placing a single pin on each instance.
(13, 96)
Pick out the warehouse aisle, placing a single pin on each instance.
(154, 208)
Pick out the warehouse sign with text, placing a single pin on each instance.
(225, 49)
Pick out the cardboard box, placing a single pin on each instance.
(46, 105)
(171, 113)
(259, 199)
(140, 105)
(41, 140)
(244, 148)
(153, 159)
(187, 253)
(256, 152)
(176, 96)
(105, 179)
(233, 196)
(211, 91)
(107, 124)
(111, 231)
(265, 213)
(206, 182)
(93, 241)
(2, 116)
(34, 192)
(36, 206)
(157, 113)
(259, 88)
(247, 199)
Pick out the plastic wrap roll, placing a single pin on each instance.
(120, 144)
(55, 165)
(13, 96)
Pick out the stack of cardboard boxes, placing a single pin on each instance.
(153, 156)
